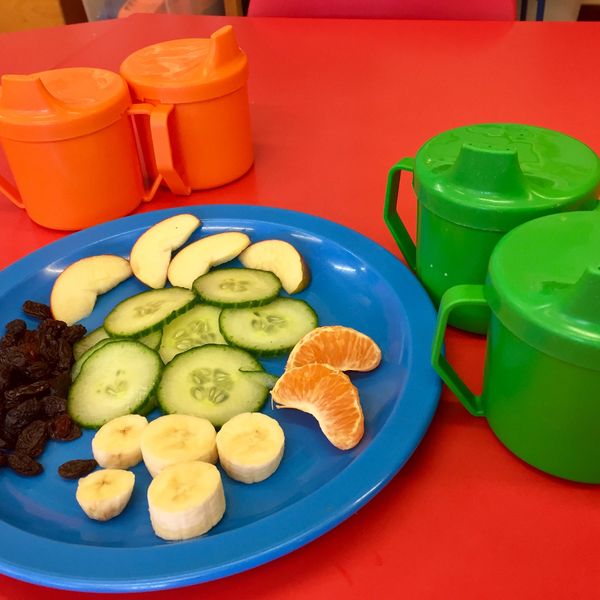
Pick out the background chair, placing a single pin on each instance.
(496, 10)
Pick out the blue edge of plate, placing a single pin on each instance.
(291, 527)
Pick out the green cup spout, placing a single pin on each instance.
(582, 299)
(489, 170)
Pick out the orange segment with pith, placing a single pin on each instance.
(327, 394)
(341, 347)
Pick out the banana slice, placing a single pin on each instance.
(186, 500)
(250, 447)
(104, 494)
(116, 444)
(173, 439)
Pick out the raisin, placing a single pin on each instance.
(63, 428)
(14, 357)
(65, 355)
(14, 332)
(20, 416)
(36, 370)
(60, 426)
(51, 328)
(49, 349)
(53, 405)
(49, 332)
(30, 344)
(34, 383)
(73, 434)
(74, 469)
(74, 333)
(59, 385)
(16, 327)
(27, 391)
(37, 310)
(32, 439)
(5, 377)
(9, 436)
(12, 403)
(24, 465)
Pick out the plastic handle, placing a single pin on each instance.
(11, 192)
(459, 295)
(390, 212)
(161, 144)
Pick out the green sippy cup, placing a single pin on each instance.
(541, 390)
(473, 184)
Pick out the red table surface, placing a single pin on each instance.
(334, 104)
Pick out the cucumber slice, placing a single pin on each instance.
(76, 368)
(91, 339)
(268, 330)
(152, 340)
(196, 327)
(237, 287)
(148, 406)
(212, 382)
(144, 313)
(118, 379)
(262, 377)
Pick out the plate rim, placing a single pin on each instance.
(356, 491)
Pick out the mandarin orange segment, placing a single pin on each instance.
(341, 347)
(328, 395)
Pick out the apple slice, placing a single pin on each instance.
(75, 290)
(282, 259)
(151, 253)
(197, 258)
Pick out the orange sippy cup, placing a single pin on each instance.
(69, 139)
(203, 82)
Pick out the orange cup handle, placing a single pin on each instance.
(11, 192)
(161, 144)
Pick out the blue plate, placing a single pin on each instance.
(46, 538)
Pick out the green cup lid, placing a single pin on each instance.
(497, 176)
(544, 285)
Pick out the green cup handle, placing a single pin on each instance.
(390, 212)
(459, 295)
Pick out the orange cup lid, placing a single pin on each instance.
(187, 70)
(60, 104)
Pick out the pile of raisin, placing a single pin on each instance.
(35, 369)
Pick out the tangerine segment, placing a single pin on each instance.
(328, 395)
(341, 347)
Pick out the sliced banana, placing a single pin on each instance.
(186, 500)
(104, 494)
(173, 439)
(116, 444)
(250, 447)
